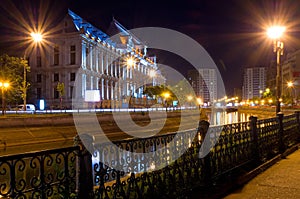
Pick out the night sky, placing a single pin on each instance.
(231, 31)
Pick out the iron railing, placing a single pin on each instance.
(44, 174)
(148, 167)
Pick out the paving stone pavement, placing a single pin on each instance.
(280, 181)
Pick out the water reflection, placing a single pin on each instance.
(138, 162)
(220, 117)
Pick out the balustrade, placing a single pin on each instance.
(169, 165)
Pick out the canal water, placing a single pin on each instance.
(217, 117)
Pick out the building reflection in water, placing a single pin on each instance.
(221, 117)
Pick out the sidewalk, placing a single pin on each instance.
(280, 181)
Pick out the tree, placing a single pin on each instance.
(182, 90)
(152, 91)
(61, 90)
(12, 71)
(157, 91)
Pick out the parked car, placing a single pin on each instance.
(29, 108)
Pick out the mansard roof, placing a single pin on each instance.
(88, 28)
(118, 28)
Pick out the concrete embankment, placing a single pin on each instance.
(17, 130)
(264, 112)
(13, 121)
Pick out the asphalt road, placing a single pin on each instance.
(14, 140)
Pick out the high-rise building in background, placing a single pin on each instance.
(254, 82)
(291, 73)
(204, 83)
(88, 62)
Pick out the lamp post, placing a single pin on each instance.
(275, 33)
(199, 101)
(37, 38)
(3, 86)
(166, 96)
(130, 64)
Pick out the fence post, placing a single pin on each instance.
(253, 127)
(280, 132)
(203, 128)
(297, 113)
(85, 168)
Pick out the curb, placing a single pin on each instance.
(5, 145)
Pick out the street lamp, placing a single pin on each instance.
(3, 86)
(37, 38)
(275, 33)
(166, 96)
(189, 98)
(130, 61)
(199, 101)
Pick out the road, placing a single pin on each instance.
(24, 139)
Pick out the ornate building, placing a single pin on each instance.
(86, 60)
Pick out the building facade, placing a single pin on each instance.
(291, 73)
(204, 83)
(84, 59)
(254, 82)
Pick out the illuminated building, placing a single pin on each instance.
(84, 58)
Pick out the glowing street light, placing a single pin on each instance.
(199, 101)
(290, 84)
(130, 61)
(189, 98)
(276, 33)
(4, 86)
(37, 38)
(270, 101)
(166, 96)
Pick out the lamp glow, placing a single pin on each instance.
(290, 84)
(130, 61)
(37, 37)
(275, 32)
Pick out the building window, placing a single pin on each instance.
(38, 61)
(83, 88)
(87, 52)
(72, 54)
(56, 77)
(56, 93)
(39, 78)
(72, 77)
(56, 55)
(71, 91)
(38, 93)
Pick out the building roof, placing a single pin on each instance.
(117, 28)
(88, 28)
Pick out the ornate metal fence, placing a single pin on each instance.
(44, 174)
(148, 167)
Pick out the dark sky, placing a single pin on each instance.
(232, 31)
